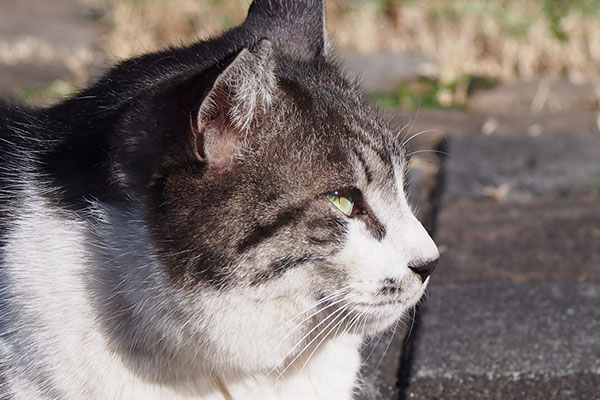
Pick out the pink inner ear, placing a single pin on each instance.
(216, 139)
(198, 137)
(208, 125)
(224, 150)
(218, 122)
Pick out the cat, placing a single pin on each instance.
(226, 220)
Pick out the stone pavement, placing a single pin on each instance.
(513, 308)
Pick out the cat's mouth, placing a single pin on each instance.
(384, 312)
(368, 313)
(388, 303)
(393, 298)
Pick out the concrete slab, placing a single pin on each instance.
(513, 310)
(577, 387)
(535, 96)
(522, 166)
(544, 240)
(63, 24)
(512, 337)
(384, 71)
(30, 76)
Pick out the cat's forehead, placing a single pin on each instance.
(331, 107)
(327, 135)
(333, 117)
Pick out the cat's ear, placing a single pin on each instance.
(296, 27)
(228, 117)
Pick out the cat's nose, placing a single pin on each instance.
(424, 269)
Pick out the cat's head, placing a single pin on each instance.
(274, 195)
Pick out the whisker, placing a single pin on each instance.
(321, 301)
(325, 337)
(412, 125)
(351, 321)
(310, 316)
(415, 135)
(402, 130)
(309, 333)
(357, 321)
(412, 322)
(374, 346)
(429, 151)
(337, 313)
(388, 345)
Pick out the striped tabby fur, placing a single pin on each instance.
(167, 233)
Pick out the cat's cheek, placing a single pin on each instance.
(383, 287)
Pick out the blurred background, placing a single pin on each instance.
(499, 103)
(452, 48)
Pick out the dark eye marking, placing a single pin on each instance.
(381, 152)
(365, 166)
(278, 267)
(360, 210)
(263, 232)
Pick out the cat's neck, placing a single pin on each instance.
(330, 374)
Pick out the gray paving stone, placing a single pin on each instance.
(544, 240)
(577, 387)
(542, 95)
(384, 71)
(459, 123)
(506, 333)
(513, 309)
(523, 166)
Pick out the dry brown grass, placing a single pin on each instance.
(507, 39)
(139, 26)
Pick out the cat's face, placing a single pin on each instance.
(287, 222)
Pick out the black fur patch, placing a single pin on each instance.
(277, 268)
(264, 232)
(376, 228)
(299, 94)
(365, 166)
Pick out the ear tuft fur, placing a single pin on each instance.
(237, 102)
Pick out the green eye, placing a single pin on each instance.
(343, 204)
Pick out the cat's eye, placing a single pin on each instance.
(343, 203)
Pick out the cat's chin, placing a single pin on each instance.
(378, 318)
(382, 315)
